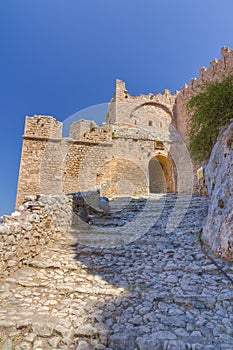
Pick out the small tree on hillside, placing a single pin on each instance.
(209, 110)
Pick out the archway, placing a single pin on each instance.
(161, 175)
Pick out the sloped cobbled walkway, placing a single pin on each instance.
(158, 292)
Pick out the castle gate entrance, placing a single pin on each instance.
(161, 175)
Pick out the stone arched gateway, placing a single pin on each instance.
(161, 175)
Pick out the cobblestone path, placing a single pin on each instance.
(157, 292)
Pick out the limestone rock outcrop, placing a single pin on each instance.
(218, 230)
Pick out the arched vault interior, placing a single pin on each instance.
(161, 175)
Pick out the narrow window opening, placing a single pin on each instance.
(150, 123)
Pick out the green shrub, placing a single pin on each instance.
(209, 110)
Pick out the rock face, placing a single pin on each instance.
(218, 230)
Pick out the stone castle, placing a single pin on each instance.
(125, 281)
(140, 149)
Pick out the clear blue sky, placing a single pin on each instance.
(60, 56)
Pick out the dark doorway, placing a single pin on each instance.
(161, 178)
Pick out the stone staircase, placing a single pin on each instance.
(127, 282)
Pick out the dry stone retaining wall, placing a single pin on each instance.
(38, 221)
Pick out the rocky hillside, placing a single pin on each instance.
(218, 230)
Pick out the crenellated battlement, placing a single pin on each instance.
(43, 126)
(216, 71)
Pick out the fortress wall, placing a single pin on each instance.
(40, 150)
(123, 106)
(98, 134)
(28, 179)
(40, 167)
(43, 126)
(97, 157)
(81, 127)
(59, 165)
(81, 165)
(85, 130)
(71, 166)
(56, 166)
(122, 178)
(127, 173)
(217, 70)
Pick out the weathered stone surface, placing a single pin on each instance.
(86, 330)
(83, 345)
(42, 330)
(148, 343)
(218, 230)
(122, 341)
(24, 235)
(175, 345)
(71, 295)
(54, 341)
(6, 324)
(7, 345)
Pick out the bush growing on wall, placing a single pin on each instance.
(209, 110)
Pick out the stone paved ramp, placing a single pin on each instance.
(158, 292)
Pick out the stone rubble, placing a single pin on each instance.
(157, 292)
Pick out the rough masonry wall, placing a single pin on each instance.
(38, 221)
(124, 108)
(122, 178)
(98, 134)
(41, 145)
(127, 173)
(85, 130)
(41, 167)
(71, 166)
(28, 181)
(42, 126)
(80, 127)
(81, 165)
(51, 164)
(217, 70)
